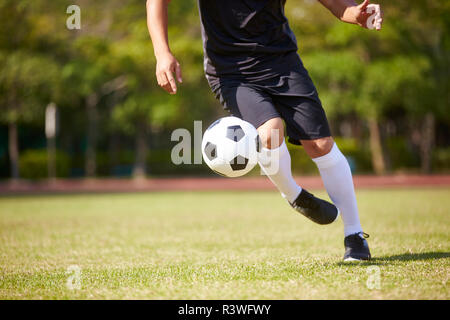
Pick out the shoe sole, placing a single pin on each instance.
(350, 259)
(353, 260)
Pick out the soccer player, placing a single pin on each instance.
(252, 66)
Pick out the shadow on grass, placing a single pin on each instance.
(414, 256)
(399, 257)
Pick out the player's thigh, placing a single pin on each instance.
(254, 106)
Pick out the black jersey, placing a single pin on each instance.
(246, 39)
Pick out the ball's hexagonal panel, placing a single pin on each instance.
(239, 163)
(235, 133)
(210, 151)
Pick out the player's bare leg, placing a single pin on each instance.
(275, 162)
(338, 181)
(273, 128)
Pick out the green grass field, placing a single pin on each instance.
(220, 245)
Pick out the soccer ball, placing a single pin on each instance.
(230, 147)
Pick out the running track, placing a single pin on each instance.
(208, 184)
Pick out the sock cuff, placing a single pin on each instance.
(282, 149)
(330, 159)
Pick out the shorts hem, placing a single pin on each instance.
(265, 119)
(296, 141)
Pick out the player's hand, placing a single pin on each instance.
(167, 68)
(368, 15)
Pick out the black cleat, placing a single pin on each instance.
(356, 247)
(315, 209)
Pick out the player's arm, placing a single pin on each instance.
(365, 14)
(166, 64)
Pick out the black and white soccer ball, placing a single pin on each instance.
(230, 147)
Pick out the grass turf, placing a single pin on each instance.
(220, 245)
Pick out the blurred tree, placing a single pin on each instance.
(147, 108)
(102, 76)
(405, 65)
(27, 84)
(88, 74)
(423, 29)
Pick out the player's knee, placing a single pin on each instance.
(272, 140)
(271, 133)
(319, 147)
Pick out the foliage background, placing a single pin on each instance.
(386, 93)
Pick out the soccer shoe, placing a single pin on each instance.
(315, 209)
(356, 247)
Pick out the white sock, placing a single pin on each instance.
(280, 173)
(338, 181)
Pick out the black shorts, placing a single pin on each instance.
(291, 96)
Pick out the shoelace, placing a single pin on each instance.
(365, 235)
(357, 239)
